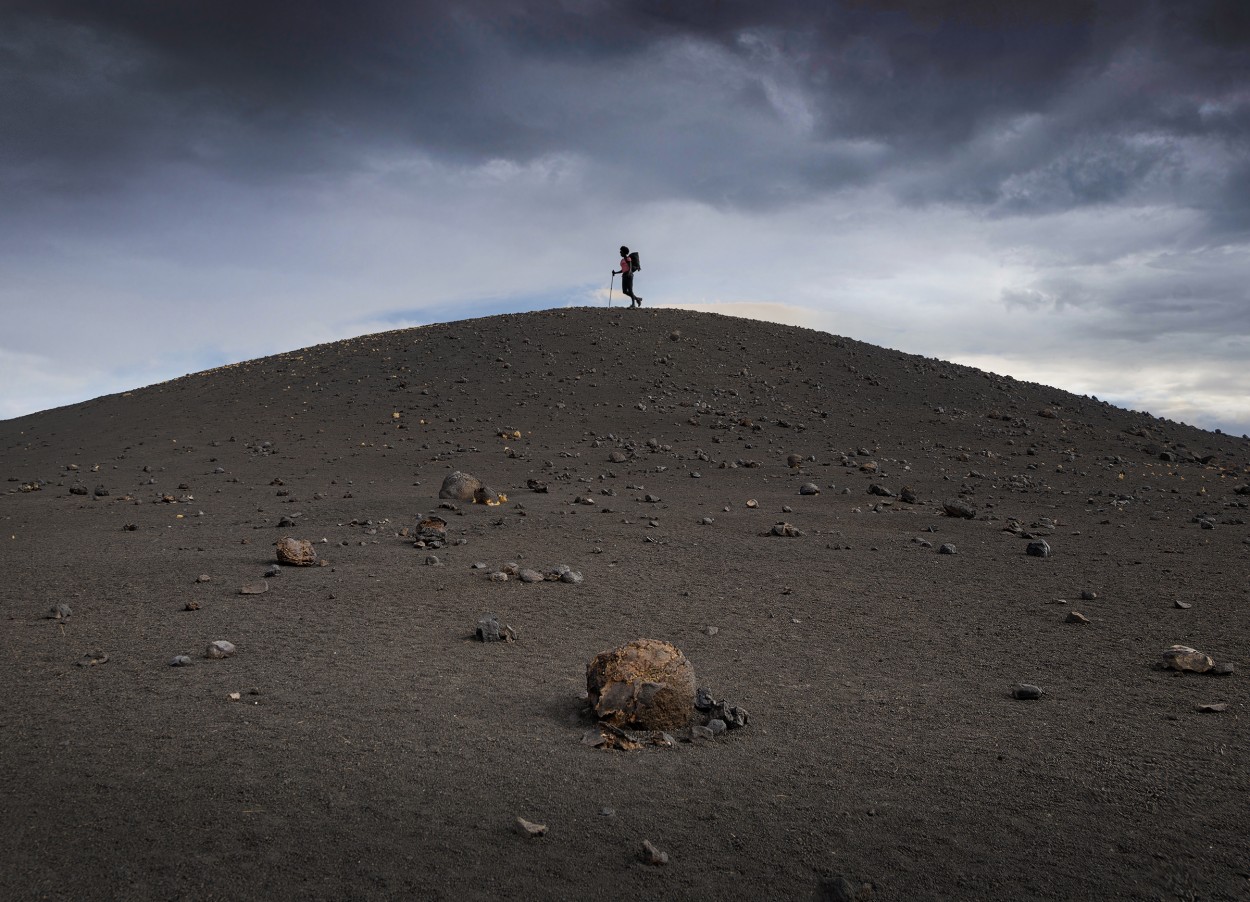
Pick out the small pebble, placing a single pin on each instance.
(652, 855)
(947, 548)
(219, 649)
(180, 661)
(1076, 617)
(1026, 691)
(529, 828)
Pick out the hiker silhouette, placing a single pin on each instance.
(629, 266)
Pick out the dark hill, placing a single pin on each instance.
(375, 750)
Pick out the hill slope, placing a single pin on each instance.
(376, 750)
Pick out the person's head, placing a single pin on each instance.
(624, 251)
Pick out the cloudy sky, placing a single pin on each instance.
(1056, 190)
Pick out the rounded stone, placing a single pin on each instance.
(647, 684)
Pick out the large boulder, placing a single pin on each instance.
(646, 684)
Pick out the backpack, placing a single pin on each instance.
(634, 264)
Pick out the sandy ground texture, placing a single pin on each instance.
(361, 744)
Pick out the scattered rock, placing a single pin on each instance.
(527, 575)
(1223, 668)
(219, 649)
(203, 578)
(877, 488)
(840, 889)
(1039, 548)
(653, 856)
(947, 548)
(93, 659)
(490, 630)
(432, 532)
(618, 457)
(784, 529)
(257, 588)
(1088, 595)
(645, 684)
(1214, 708)
(191, 606)
(458, 486)
(1183, 605)
(529, 828)
(536, 485)
(1076, 617)
(1026, 691)
(809, 488)
(570, 576)
(907, 496)
(1184, 658)
(752, 503)
(960, 509)
(180, 661)
(717, 726)
(296, 552)
(59, 612)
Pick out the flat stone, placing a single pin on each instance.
(180, 661)
(1184, 658)
(258, 588)
(1026, 691)
(1076, 617)
(219, 649)
(1183, 605)
(1213, 708)
(529, 828)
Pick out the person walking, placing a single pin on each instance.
(626, 272)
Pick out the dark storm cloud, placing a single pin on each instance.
(1020, 108)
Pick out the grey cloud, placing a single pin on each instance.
(97, 91)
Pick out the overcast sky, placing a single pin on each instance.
(1055, 190)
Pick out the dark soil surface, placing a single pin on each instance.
(376, 750)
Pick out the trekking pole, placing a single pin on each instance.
(611, 282)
